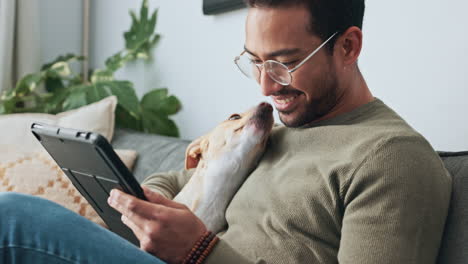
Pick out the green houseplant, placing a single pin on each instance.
(64, 90)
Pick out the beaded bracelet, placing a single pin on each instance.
(198, 251)
(208, 250)
(195, 247)
(201, 249)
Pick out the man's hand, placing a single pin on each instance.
(165, 228)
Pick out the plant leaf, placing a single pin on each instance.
(158, 101)
(170, 106)
(94, 94)
(54, 103)
(125, 93)
(153, 96)
(115, 62)
(59, 69)
(8, 95)
(158, 124)
(125, 120)
(53, 84)
(8, 106)
(76, 98)
(2, 109)
(65, 58)
(156, 39)
(141, 29)
(28, 83)
(102, 76)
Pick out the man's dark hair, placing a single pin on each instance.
(327, 16)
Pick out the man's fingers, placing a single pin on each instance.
(142, 236)
(157, 198)
(133, 208)
(134, 227)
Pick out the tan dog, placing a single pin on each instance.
(223, 159)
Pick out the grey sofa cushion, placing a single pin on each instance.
(454, 248)
(155, 153)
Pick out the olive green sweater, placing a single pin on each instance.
(363, 187)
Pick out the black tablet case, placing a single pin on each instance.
(94, 168)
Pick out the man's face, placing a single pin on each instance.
(281, 34)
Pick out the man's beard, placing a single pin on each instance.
(318, 107)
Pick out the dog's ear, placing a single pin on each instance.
(194, 152)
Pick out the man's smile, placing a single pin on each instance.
(286, 102)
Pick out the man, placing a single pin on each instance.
(345, 180)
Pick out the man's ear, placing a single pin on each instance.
(350, 45)
(194, 152)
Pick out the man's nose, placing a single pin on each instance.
(267, 84)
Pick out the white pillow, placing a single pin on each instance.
(15, 129)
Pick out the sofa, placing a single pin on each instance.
(158, 154)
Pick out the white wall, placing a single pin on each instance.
(414, 59)
(61, 28)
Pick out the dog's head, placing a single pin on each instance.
(240, 140)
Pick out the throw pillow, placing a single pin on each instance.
(97, 117)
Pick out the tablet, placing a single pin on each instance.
(93, 167)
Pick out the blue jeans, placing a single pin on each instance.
(35, 230)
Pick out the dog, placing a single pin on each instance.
(222, 160)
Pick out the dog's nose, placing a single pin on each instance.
(266, 105)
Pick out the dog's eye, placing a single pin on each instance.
(234, 117)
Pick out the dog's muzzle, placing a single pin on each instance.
(263, 116)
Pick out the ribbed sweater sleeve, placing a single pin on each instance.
(395, 205)
(168, 184)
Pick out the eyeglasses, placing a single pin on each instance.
(277, 71)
